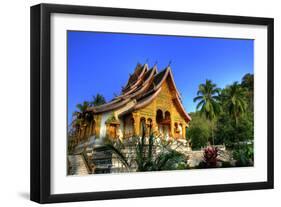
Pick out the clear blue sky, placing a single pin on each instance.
(101, 62)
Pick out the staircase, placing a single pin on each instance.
(77, 165)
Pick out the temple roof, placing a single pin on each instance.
(142, 87)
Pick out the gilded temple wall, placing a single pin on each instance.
(164, 102)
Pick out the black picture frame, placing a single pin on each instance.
(41, 96)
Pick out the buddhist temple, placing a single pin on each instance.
(149, 98)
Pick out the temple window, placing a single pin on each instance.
(167, 115)
(159, 116)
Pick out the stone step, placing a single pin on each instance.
(77, 165)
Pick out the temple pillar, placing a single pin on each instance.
(153, 125)
(172, 126)
(183, 131)
(97, 125)
(147, 127)
(136, 125)
(107, 130)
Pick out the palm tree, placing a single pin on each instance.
(98, 100)
(82, 117)
(235, 101)
(82, 108)
(208, 97)
(248, 83)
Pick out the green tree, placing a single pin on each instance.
(82, 118)
(82, 108)
(199, 131)
(248, 81)
(98, 100)
(248, 84)
(234, 100)
(230, 133)
(208, 97)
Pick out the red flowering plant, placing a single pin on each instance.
(210, 157)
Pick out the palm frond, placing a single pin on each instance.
(119, 154)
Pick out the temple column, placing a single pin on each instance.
(153, 125)
(183, 131)
(147, 127)
(97, 125)
(136, 125)
(107, 130)
(172, 126)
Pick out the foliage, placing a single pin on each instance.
(82, 114)
(182, 166)
(229, 133)
(244, 155)
(199, 131)
(234, 123)
(210, 157)
(83, 118)
(234, 101)
(248, 84)
(98, 100)
(208, 97)
(146, 159)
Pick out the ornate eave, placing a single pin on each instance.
(142, 88)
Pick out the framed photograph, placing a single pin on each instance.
(132, 103)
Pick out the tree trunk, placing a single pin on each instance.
(212, 128)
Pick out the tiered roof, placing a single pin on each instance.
(141, 89)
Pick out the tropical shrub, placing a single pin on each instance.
(148, 160)
(210, 157)
(244, 155)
